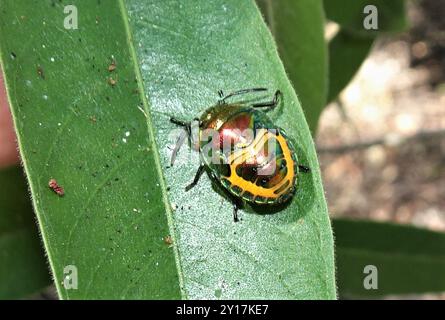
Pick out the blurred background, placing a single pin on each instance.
(381, 143)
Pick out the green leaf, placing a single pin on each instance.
(346, 55)
(298, 29)
(349, 14)
(23, 269)
(409, 260)
(352, 44)
(121, 199)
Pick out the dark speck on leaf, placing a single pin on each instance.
(13, 55)
(40, 72)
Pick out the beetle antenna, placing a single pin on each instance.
(237, 93)
(179, 122)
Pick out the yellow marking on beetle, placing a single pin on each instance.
(243, 155)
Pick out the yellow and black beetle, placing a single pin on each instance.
(244, 151)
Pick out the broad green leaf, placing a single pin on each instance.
(298, 29)
(350, 15)
(346, 55)
(71, 124)
(74, 126)
(23, 269)
(409, 260)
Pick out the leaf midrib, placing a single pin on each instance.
(152, 142)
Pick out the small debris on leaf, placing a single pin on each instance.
(112, 82)
(56, 187)
(168, 240)
(40, 72)
(112, 66)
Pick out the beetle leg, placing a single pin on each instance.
(235, 212)
(196, 179)
(269, 104)
(304, 169)
(237, 204)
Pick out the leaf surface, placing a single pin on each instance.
(107, 143)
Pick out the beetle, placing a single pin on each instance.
(242, 149)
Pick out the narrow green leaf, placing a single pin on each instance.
(352, 44)
(346, 55)
(171, 59)
(298, 29)
(350, 15)
(23, 269)
(71, 123)
(409, 260)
